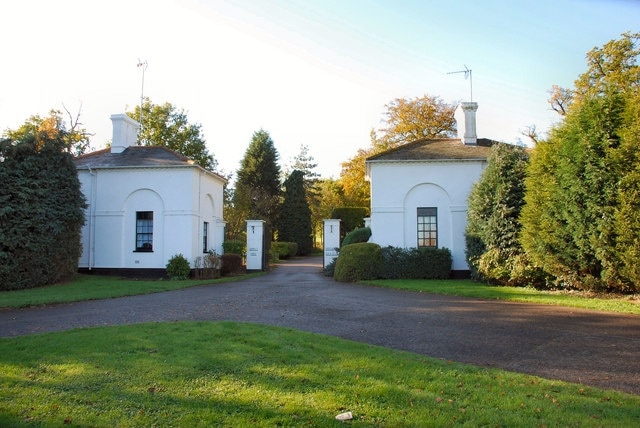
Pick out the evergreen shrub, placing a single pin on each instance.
(415, 263)
(41, 213)
(178, 267)
(330, 269)
(361, 234)
(358, 262)
(231, 264)
(285, 250)
(233, 247)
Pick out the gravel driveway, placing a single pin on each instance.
(588, 347)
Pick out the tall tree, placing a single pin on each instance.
(614, 66)
(165, 125)
(41, 212)
(571, 198)
(406, 120)
(305, 163)
(75, 138)
(581, 183)
(493, 249)
(294, 223)
(626, 218)
(257, 191)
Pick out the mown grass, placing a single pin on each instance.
(235, 374)
(468, 288)
(92, 287)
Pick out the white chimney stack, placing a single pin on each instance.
(125, 132)
(469, 109)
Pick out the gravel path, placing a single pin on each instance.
(588, 347)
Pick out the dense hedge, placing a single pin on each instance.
(357, 262)
(415, 263)
(231, 264)
(361, 234)
(233, 247)
(41, 213)
(285, 250)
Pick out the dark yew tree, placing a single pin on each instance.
(257, 190)
(294, 223)
(41, 212)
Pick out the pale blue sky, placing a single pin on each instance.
(314, 72)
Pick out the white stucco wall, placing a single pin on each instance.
(181, 198)
(399, 188)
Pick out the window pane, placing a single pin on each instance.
(427, 227)
(205, 237)
(144, 230)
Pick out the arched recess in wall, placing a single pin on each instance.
(427, 195)
(143, 200)
(208, 207)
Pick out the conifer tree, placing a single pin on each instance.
(493, 225)
(41, 212)
(257, 191)
(294, 224)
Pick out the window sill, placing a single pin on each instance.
(143, 251)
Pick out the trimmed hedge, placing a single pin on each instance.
(231, 264)
(358, 262)
(415, 263)
(285, 249)
(233, 247)
(361, 234)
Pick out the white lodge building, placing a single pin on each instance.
(419, 191)
(145, 205)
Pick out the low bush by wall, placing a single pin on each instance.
(358, 262)
(231, 264)
(415, 263)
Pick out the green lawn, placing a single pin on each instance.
(91, 287)
(468, 288)
(234, 374)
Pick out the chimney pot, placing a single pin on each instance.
(470, 137)
(125, 132)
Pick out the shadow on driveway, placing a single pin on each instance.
(589, 347)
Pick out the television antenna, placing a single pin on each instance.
(143, 65)
(467, 75)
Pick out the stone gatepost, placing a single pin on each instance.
(331, 239)
(255, 245)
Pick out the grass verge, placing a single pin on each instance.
(92, 287)
(235, 374)
(468, 288)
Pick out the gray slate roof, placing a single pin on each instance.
(436, 149)
(133, 156)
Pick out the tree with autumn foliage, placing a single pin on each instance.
(74, 137)
(405, 120)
